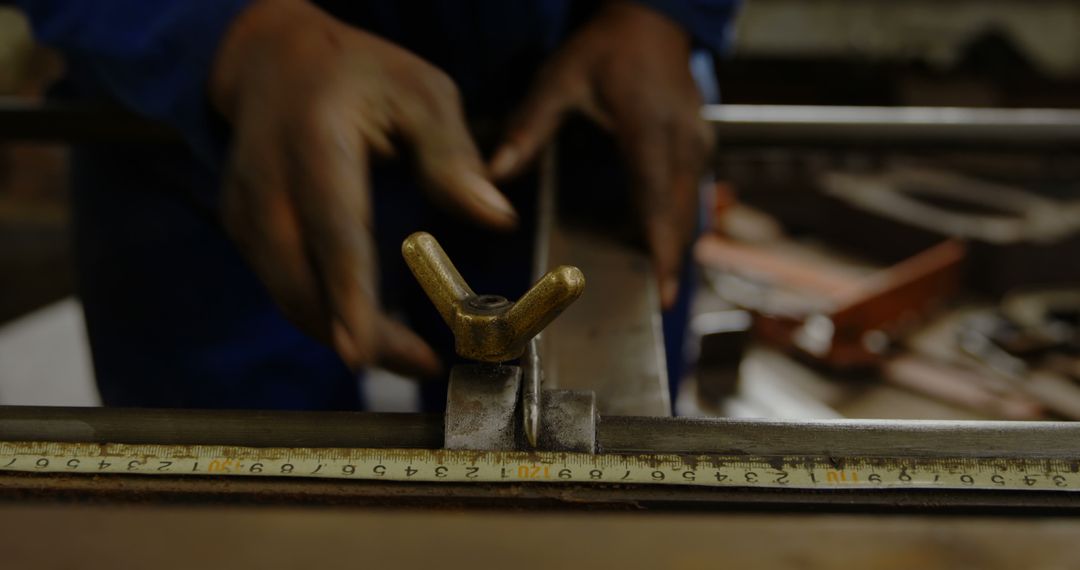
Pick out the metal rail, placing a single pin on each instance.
(617, 434)
(736, 124)
(249, 428)
(843, 438)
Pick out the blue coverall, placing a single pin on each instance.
(175, 317)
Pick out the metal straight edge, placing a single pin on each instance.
(620, 435)
(611, 340)
(778, 124)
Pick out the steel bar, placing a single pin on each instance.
(627, 434)
(739, 125)
(221, 427)
(840, 438)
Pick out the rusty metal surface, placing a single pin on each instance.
(488, 328)
(481, 406)
(858, 317)
(888, 302)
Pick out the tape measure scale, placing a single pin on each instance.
(436, 466)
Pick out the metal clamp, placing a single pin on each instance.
(488, 328)
(482, 399)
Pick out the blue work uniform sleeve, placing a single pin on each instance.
(154, 56)
(709, 22)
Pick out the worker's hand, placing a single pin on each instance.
(311, 101)
(629, 70)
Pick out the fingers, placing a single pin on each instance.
(668, 233)
(447, 157)
(666, 154)
(402, 351)
(328, 179)
(534, 125)
(653, 175)
(265, 230)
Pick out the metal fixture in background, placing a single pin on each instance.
(830, 126)
(997, 214)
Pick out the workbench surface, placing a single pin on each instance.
(162, 537)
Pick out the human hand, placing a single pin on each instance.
(311, 102)
(628, 70)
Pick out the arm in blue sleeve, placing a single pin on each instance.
(709, 22)
(154, 56)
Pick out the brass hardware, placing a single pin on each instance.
(488, 328)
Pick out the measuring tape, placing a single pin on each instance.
(542, 467)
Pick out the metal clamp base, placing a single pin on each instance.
(481, 405)
(482, 413)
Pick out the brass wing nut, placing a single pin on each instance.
(488, 328)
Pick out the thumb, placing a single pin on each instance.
(453, 172)
(402, 351)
